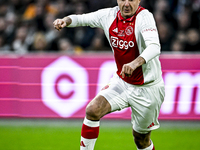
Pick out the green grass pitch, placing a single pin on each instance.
(114, 135)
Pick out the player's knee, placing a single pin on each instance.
(97, 108)
(141, 140)
(93, 112)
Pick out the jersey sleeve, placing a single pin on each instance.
(149, 32)
(93, 19)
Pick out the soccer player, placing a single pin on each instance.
(133, 37)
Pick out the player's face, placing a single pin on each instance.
(128, 7)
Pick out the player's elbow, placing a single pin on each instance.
(157, 49)
(151, 52)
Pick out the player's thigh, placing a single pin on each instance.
(145, 104)
(97, 108)
(116, 94)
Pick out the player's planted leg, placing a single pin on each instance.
(95, 110)
(143, 141)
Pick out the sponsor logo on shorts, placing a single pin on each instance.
(151, 125)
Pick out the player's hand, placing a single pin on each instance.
(127, 70)
(59, 24)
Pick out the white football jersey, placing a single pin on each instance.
(129, 38)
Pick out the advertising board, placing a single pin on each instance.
(54, 86)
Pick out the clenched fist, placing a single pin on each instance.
(127, 69)
(61, 23)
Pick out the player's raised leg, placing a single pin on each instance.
(143, 141)
(95, 110)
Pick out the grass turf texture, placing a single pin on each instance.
(17, 135)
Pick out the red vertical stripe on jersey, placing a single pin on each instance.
(123, 41)
(89, 132)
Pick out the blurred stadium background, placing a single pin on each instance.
(43, 98)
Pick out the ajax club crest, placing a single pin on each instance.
(129, 30)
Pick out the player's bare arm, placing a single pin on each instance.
(61, 23)
(128, 68)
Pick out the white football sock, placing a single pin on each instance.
(89, 134)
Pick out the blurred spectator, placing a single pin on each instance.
(2, 25)
(82, 35)
(148, 4)
(175, 23)
(66, 47)
(162, 8)
(37, 9)
(179, 42)
(36, 12)
(4, 48)
(165, 33)
(64, 8)
(178, 23)
(3, 7)
(80, 8)
(184, 21)
(177, 46)
(51, 34)
(181, 36)
(11, 22)
(39, 43)
(18, 6)
(20, 44)
(99, 42)
(159, 18)
(94, 5)
(193, 40)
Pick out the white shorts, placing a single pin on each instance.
(144, 100)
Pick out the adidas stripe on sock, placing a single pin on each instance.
(89, 134)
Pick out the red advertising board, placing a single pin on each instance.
(55, 86)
